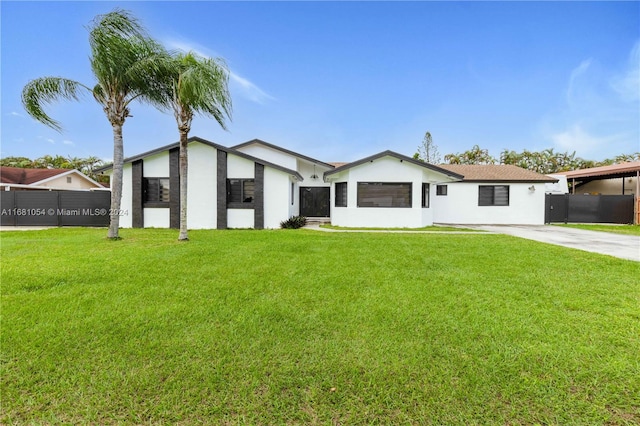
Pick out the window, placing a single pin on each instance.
(68, 179)
(493, 195)
(441, 189)
(341, 194)
(156, 192)
(383, 194)
(293, 188)
(240, 192)
(425, 195)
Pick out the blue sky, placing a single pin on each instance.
(338, 81)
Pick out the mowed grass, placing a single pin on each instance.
(616, 229)
(304, 327)
(423, 229)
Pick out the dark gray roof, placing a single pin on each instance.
(211, 144)
(399, 157)
(286, 151)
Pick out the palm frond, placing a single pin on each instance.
(46, 90)
(122, 56)
(202, 87)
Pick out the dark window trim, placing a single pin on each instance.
(154, 204)
(408, 206)
(488, 198)
(240, 204)
(442, 190)
(425, 195)
(342, 202)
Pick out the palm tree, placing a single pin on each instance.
(124, 61)
(195, 85)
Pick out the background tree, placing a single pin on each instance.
(195, 85)
(475, 155)
(124, 61)
(84, 165)
(428, 151)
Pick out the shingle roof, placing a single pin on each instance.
(496, 173)
(630, 168)
(19, 176)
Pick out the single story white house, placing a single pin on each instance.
(258, 185)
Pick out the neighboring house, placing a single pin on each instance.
(616, 179)
(18, 179)
(258, 185)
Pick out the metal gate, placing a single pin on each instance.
(589, 208)
(55, 208)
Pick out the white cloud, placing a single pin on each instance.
(248, 89)
(600, 117)
(574, 79)
(66, 142)
(576, 138)
(627, 82)
(51, 141)
(239, 84)
(16, 114)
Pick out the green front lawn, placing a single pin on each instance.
(307, 327)
(616, 229)
(425, 228)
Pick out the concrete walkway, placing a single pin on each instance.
(617, 245)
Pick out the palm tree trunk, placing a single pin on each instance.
(183, 186)
(116, 181)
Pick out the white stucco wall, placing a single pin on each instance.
(277, 197)
(386, 169)
(240, 218)
(156, 165)
(240, 168)
(202, 187)
(271, 155)
(460, 205)
(126, 201)
(156, 217)
(306, 170)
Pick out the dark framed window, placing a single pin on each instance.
(341, 194)
(384, 194)
(493, 195)
(293, 188)
(441, 189)
(240, 193)
(155, 192)
(425, 195)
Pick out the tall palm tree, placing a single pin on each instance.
(195, 85)
(124, 61)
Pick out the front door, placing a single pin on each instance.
(314, 201)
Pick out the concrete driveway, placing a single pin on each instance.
(622, 246)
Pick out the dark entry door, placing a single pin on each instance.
(314, 201)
